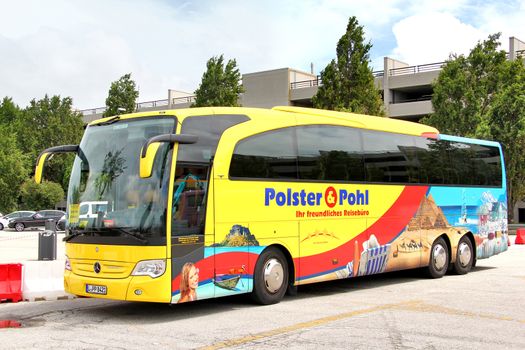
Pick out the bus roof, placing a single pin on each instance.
(302, 115)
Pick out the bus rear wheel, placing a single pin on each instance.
(439, 259)
(464, 256)
(270, 279)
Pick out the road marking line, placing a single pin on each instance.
(423, 307)
(412, 305)
(302, 325)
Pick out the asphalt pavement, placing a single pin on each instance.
(403, 310)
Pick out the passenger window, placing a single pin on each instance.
(390, 157)
(331, 153)
(269, 155)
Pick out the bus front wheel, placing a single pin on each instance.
(270, 279)
(439, 259)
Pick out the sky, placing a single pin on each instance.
(77, 48)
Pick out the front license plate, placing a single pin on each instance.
(94, 289)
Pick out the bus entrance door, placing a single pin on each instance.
(190, 271)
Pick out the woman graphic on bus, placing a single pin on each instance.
(189, 281)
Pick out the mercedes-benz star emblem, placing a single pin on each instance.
(96, 267)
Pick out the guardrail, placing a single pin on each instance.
(416, 69)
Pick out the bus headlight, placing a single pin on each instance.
(67, 266)
(152, 268)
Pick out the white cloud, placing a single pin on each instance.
(77, 48)
(431, 37)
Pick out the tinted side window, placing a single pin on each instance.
(434, 160)
(269, 155)
(329, 153)
(209, 130)
(458, 163)
(390, 157)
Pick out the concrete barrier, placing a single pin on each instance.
(44, 280)
(10, 282)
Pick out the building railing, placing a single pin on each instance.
(416, 69)
(143, 105)
(418, 99)
(318, 81)
(152, 104)
(306, 83)
(185, 99)
(91, 111)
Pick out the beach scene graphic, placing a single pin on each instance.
(487, 220)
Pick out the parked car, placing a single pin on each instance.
(38, 219)
(4, 221)
(61, 224)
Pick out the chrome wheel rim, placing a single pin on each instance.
(464, 254)
(439, 256)
(19, 227)
(273, 275)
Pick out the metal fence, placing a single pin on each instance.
(416, 69)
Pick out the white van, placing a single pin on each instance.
(90, 210)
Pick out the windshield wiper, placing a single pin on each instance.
(137, 235)
(72, 235)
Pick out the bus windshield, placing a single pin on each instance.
(108, 203)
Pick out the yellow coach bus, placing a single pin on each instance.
(207, 202)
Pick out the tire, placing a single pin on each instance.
(439, 259)
(464, 257)
(1, 226)
(19, 227)
(270, 280)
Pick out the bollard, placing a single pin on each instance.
(47, 242)
(520, 236)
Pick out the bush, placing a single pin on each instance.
(40, 196)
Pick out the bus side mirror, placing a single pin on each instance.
(150, 148)
(46, 154)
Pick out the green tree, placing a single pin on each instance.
(45, 123)
(220, 85)
(9, 113)
(465, 88)
(506, 124)
(348, 83)
(482, 95)
(123, 93)
(13, 172)
(40, 196)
